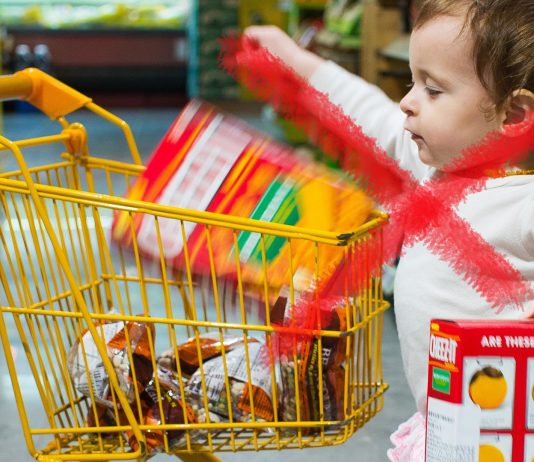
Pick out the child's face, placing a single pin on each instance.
(447, 107)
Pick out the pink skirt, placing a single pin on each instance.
(409, 440)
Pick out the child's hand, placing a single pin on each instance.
(278, 43)
(275, 40)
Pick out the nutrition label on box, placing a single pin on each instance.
(453, 432)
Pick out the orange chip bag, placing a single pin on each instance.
(174, 410)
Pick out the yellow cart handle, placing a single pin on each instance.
(16, 86)
(46, 93)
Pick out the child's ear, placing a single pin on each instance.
(519, 113)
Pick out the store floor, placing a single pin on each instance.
(369, 443)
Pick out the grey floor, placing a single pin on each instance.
(369, 444)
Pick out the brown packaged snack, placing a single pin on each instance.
(210, 346)
(100, 416)
(241, 385)
(301, 344)
(86, 366)
(173, 409)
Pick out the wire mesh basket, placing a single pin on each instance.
(130, 356)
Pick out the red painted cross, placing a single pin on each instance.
(417, 211)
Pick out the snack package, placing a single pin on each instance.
(87, 369)
(259, 384)
(212, 161)
(300, 351)
(100, 416)
(174, 410)
(210, 345)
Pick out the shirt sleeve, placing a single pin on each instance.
(377, 115)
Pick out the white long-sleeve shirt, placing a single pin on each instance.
(426, 287)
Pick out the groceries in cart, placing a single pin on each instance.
(155, 392)
(235, 401)
(127, 345)
(250, 367)
(209, 344)
(298, 355)
(214, 377)
(159, 400)
(160, 403)
(224, 356)
(212, 161)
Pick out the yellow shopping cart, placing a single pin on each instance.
(66, 286)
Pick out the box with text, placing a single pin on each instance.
(480, 391)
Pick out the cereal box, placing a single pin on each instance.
(480, 391)
(212, 161)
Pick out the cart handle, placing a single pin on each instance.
(43, 91)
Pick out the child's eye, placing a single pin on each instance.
(432, 91)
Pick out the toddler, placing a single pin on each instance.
(472, 71)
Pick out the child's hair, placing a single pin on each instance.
(503, 37)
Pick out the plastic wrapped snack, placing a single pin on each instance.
(240, 384)
(209, 344)
(174, 410)
(123, 341)
(298, 350)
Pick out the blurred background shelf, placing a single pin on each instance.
(58, 14)
(113, 64)
(162, 52)
(126, 52)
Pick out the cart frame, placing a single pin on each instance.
(84, 306)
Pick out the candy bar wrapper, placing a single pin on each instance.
(210, 345)
(87, 369)
(174, 410)
(212, 161)
(241, 385)
(298, 350)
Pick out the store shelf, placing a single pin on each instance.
(109, 47)
(397, 49)
(85, 51)
(58, 14)
(380, 26)
(114, 50)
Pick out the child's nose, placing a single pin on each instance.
(408, 104)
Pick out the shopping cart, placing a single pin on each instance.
(64, 279)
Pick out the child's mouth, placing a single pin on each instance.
(416, 138)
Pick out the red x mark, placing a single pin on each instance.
(418, 212)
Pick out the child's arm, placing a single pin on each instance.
(378, 115)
